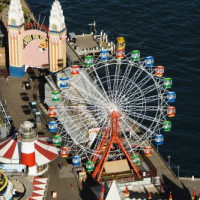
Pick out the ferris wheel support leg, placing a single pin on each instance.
(99, 149)
(102, 159)
(129, 159)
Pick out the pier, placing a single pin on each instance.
(17, 99)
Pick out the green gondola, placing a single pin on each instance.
(167, 125)
(168, 83)
(88, 61)
(135, 55)
(55, 96)
(89, 166)
(136, 159)
(57, 140)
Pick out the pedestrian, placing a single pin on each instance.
(59, 165)
(23, 87)
(6, 77)
(29, 79)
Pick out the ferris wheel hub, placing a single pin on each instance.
(112, 108)
(115, 114)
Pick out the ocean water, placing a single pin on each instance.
(169, 31)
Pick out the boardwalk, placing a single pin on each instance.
(17, 99)
(181, 188)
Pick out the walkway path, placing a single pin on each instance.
(65, 185)
(16, 99)
(182, 189)
(26, 183)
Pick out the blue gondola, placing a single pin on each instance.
(104, 55)
(53, 126)
(63, 82)
(76, 160)
(171, 96)
(149, 61)
(159, 139)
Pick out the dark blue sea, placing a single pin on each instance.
(169, 31)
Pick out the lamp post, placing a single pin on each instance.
(178, 170)
(169, 160)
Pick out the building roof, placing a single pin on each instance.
(39, 188)
(10, 150)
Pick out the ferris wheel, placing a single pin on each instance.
(132, 87)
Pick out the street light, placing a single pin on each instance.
(169, 160)
(178, 170)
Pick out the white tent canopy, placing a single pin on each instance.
(113, 192)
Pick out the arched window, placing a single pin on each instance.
(54, 27)
(13, 22)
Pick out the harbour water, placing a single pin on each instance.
(167, 30)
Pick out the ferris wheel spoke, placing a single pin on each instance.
(102, 87)
(74, 96)
(132, 80)
(147, 131)
(108, 80)
(142, 108)
(127, 139)
(124, 80)
(147, 100)
(131, 129)
(93, 87)
(133, 87)
(147, 90)
(116, 79)
(125, 76)
(140, 85)
(142, 116)
(89, 97)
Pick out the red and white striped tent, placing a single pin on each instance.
(10, 150)
(39, 188)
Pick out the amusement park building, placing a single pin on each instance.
(36, 48)
(28, 149)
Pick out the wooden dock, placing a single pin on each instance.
(181, 188)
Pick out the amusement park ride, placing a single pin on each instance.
(112, 108)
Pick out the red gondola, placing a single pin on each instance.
(148, 151)
(65, 152)
(75, 70)
(171, 111)
(52, 111)
(160, 71)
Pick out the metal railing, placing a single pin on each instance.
(4, 115)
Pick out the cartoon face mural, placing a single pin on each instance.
(35, 48)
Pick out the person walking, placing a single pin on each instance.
(6, 77)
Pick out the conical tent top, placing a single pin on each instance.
(126, 192)
(149, 197)
(170, 196)
(102, 189)
(194, 193)
(101, 197)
